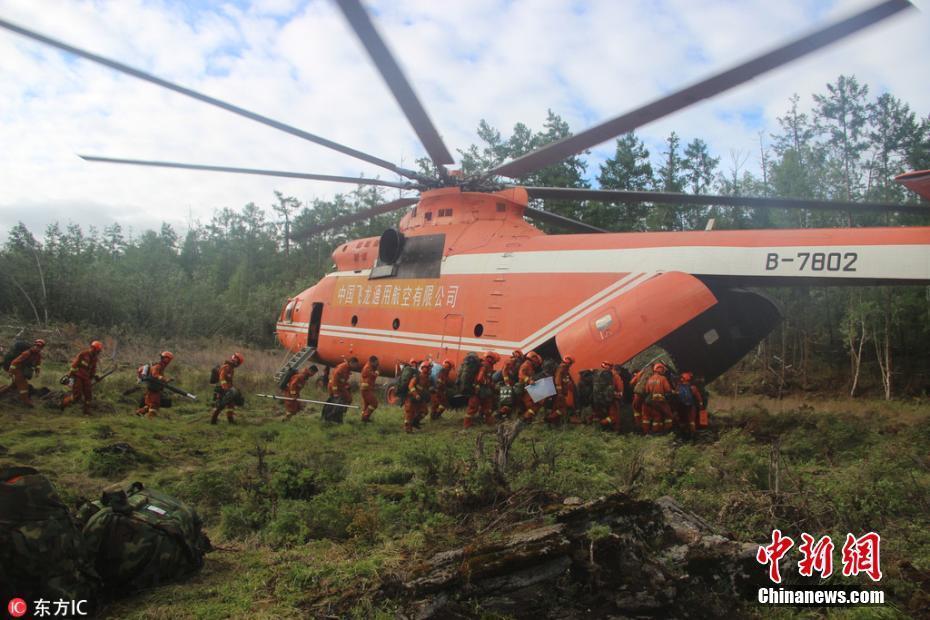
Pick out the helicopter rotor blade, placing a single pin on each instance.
(555, 152)
(255, 171)
(264, 120)
(561, 221)
(634, 197)
(393, 75)
(351, 218)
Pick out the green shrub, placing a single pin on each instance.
(290, 525)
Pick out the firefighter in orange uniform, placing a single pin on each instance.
(657, 414)
(370, 372)
(83, 373)
(482, 399)
(564, 391)
(225, 395)
(152, 401)
(418, 397)
(22, 368)
(294, 386)
(526, 376)
(612, 419)
(689, 406)
(339, 380)
(444, 381)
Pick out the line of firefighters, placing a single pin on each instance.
(82, 377)
(661, 400)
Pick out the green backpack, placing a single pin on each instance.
(141, 538)
(585, 388)
(41, 552)
(18, 347)
(407, 372)
(468, 373)
(602, 392)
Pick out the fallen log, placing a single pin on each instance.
(612, 556)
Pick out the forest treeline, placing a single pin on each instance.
(231, 275)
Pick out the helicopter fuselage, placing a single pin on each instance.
(473, 275)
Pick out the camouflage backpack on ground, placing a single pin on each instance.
(140, 538)
(41, 550)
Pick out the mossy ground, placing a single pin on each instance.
(307, 518)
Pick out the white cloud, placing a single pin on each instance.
(299, 63)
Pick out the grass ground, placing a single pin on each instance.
(308, 518)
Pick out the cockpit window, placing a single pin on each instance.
(289, 311)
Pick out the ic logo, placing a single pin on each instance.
(17, 607)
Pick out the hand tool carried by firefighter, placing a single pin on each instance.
(171, 388)
(306, 400)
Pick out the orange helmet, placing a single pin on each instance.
(448, 363)
(168, 355)
(237, 358)
(686, 376)
(568, 359)
(517, 353)
(533, 356)
(38, 343)
(413, 362)
(426, 366)
(607, 365)
(96, 345)
(659, 367)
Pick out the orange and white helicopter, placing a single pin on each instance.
(465, 270)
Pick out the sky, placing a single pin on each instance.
(296, 61)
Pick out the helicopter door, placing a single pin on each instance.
(316, 320)
(451, 338)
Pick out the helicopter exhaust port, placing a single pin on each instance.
(391, 246)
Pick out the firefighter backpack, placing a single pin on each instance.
(140, 538)
(505, 395)
(407, 372)
(15, 351)
(685, 397)
(602, 393)
(468, 373)
(584, 388)
(42, 555)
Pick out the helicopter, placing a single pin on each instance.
(466, 270)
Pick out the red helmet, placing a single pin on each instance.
(492, 357)
(413, 362)
(568, 359)
(517, 353)
(686, 376)
(659, 367)
(167, 355)
(533, 356)
(96, 345)
(237, 358)
(426, 366)
(448, 363)
(38, 343)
